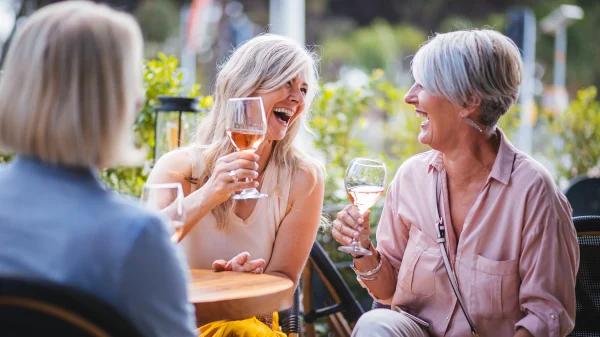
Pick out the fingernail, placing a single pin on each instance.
(355, 234)
(348, 240)
(256, 184)
(255, 174)
(360, 228)
(256, 157)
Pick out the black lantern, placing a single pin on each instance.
(173, 122)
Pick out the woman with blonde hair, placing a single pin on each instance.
(69, 93)
(272, 235)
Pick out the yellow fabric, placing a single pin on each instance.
(250, 327)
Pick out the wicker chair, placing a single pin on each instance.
(40, 308)
(587, 288)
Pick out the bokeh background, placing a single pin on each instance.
(365, 48)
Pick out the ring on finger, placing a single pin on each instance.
(233, 176)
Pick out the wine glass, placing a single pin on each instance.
(365, 182)
(167, 199)
(246, 127)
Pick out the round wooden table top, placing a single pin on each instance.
(232, 295)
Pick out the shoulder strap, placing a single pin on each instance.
(441, 239)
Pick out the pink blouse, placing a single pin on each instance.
(517, 257)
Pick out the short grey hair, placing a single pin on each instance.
(472, 64)
(70, 85)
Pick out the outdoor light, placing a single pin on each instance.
(175, 118)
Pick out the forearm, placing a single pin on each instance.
(196, 206)
(383, 285)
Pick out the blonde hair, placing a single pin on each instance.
(468, 64)
(261, 65)
(70, 85)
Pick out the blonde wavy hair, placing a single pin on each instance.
(261, 65)
(70, 85)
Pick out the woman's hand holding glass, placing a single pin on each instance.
(232, 173)
(365, 181)
(246, 128)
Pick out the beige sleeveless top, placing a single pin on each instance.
(255, 235)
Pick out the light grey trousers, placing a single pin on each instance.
(387, 323)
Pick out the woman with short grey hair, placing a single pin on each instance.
(475, 237)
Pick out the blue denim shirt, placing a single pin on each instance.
(60, 224)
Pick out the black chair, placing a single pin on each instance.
(587, 288)
(583, 194)
(39, 308)
(344, 311)
(289, 319)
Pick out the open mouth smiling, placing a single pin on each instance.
(283, 115)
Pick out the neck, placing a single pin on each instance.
(473, 157)
(264, 151)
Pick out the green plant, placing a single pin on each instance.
(574, 148)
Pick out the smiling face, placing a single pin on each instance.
(283, 106)
(442, 118)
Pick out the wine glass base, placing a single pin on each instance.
(356, 250)
(250, 195)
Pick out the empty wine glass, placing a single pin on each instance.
(246, 127)
(365, 183)
(167, 199)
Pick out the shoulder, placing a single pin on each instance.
(542, 193)
(418, 163)
(310, 176)
(172, 166)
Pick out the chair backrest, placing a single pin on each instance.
(587, 288)
(31, 307)
(326, 270)
(583, 194)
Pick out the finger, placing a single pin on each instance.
(241, 258)
(252, 265)
(240, 185)
(346, 230)
(258, 271)
(241, 164)
(347, 219)
(248, 156)
(340, 238)
(355, 214)
(219, 265)
(242, 174)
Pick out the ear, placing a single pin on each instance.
(472, 108)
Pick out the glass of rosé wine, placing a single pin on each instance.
(246, 127)
(365, 183)
(167, 199)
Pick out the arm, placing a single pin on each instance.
(298, 229)
(175, 166)
(154, 282)
(523, 333)
(392, 236)
(548, 266)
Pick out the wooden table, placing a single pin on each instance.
(231, 295)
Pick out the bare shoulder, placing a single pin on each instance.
(175, 165)
(309, 180)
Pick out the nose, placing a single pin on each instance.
(411, 95)
(297, 96)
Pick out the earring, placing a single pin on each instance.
(473, 124)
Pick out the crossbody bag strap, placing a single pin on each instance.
(441, 240)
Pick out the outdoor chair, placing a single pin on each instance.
(341, 310)
(587, 288)
(34, 308)
(583, 194)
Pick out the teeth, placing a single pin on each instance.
(285, 111)
(420, 114)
